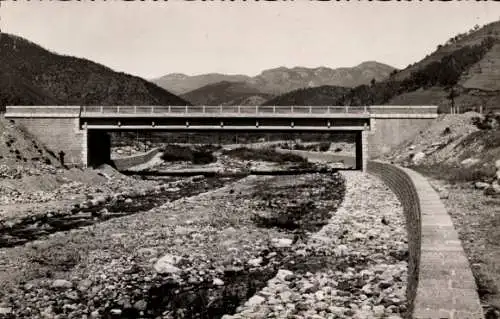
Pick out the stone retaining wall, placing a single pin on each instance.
(134, 160)
(440, 282)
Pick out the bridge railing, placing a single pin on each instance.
(226, 109)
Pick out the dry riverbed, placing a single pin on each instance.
(262, 246)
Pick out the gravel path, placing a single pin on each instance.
(358, 263)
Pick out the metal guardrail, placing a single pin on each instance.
(206, 109)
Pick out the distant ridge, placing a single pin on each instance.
(269, 83)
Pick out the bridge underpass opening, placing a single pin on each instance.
(346, 146)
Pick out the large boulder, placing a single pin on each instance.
(418, 158)
(494, 189)
(469, 162)
(481, 185)
(167, 264)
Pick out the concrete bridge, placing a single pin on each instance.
(81, 132)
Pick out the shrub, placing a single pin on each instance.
(267, 155)
(457, 174)
(175, 153)
(324, 146)
(490, 121)
(201, 155)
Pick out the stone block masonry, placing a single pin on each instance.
(440, 282)
(58, 128)
(391, 125)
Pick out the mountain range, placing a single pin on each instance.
(269, 83)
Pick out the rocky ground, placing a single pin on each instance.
(354, 267)
(476, 217)
(278, 245)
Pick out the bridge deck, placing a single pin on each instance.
(223, 111)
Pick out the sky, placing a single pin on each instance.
(151, 39)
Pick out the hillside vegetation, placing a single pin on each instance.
(179, 83)
(227, 93)
(33, 75)
(323, 95)
(464, 72)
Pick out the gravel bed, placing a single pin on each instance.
(354, 267)
(196, 257)
(226, 253)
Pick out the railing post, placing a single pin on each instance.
(274, 109)
(135, 109)
(239, 109)
(118, 109)
(310, 109)
(204, 109)
(256, 109)
(169, 109)
(152, 109)
(220, 108)
(365, 108)
(186, 110)
(291, 109)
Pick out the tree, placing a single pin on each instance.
(453, 94)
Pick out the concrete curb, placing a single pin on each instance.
(440, 281)
(124, 163)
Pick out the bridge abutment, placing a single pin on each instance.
(392, 125)
(56, 127)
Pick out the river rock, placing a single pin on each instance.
(61, 283)
(217, 282)
(497, 164)
(282, 242)
(255, 301)
(379, 311)
(469, 162)
(255, 262)
(284, 274)
(5, 310)
(481, 185)
(141, 305)
(494, 189)
(166, 264)
(418, 158)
